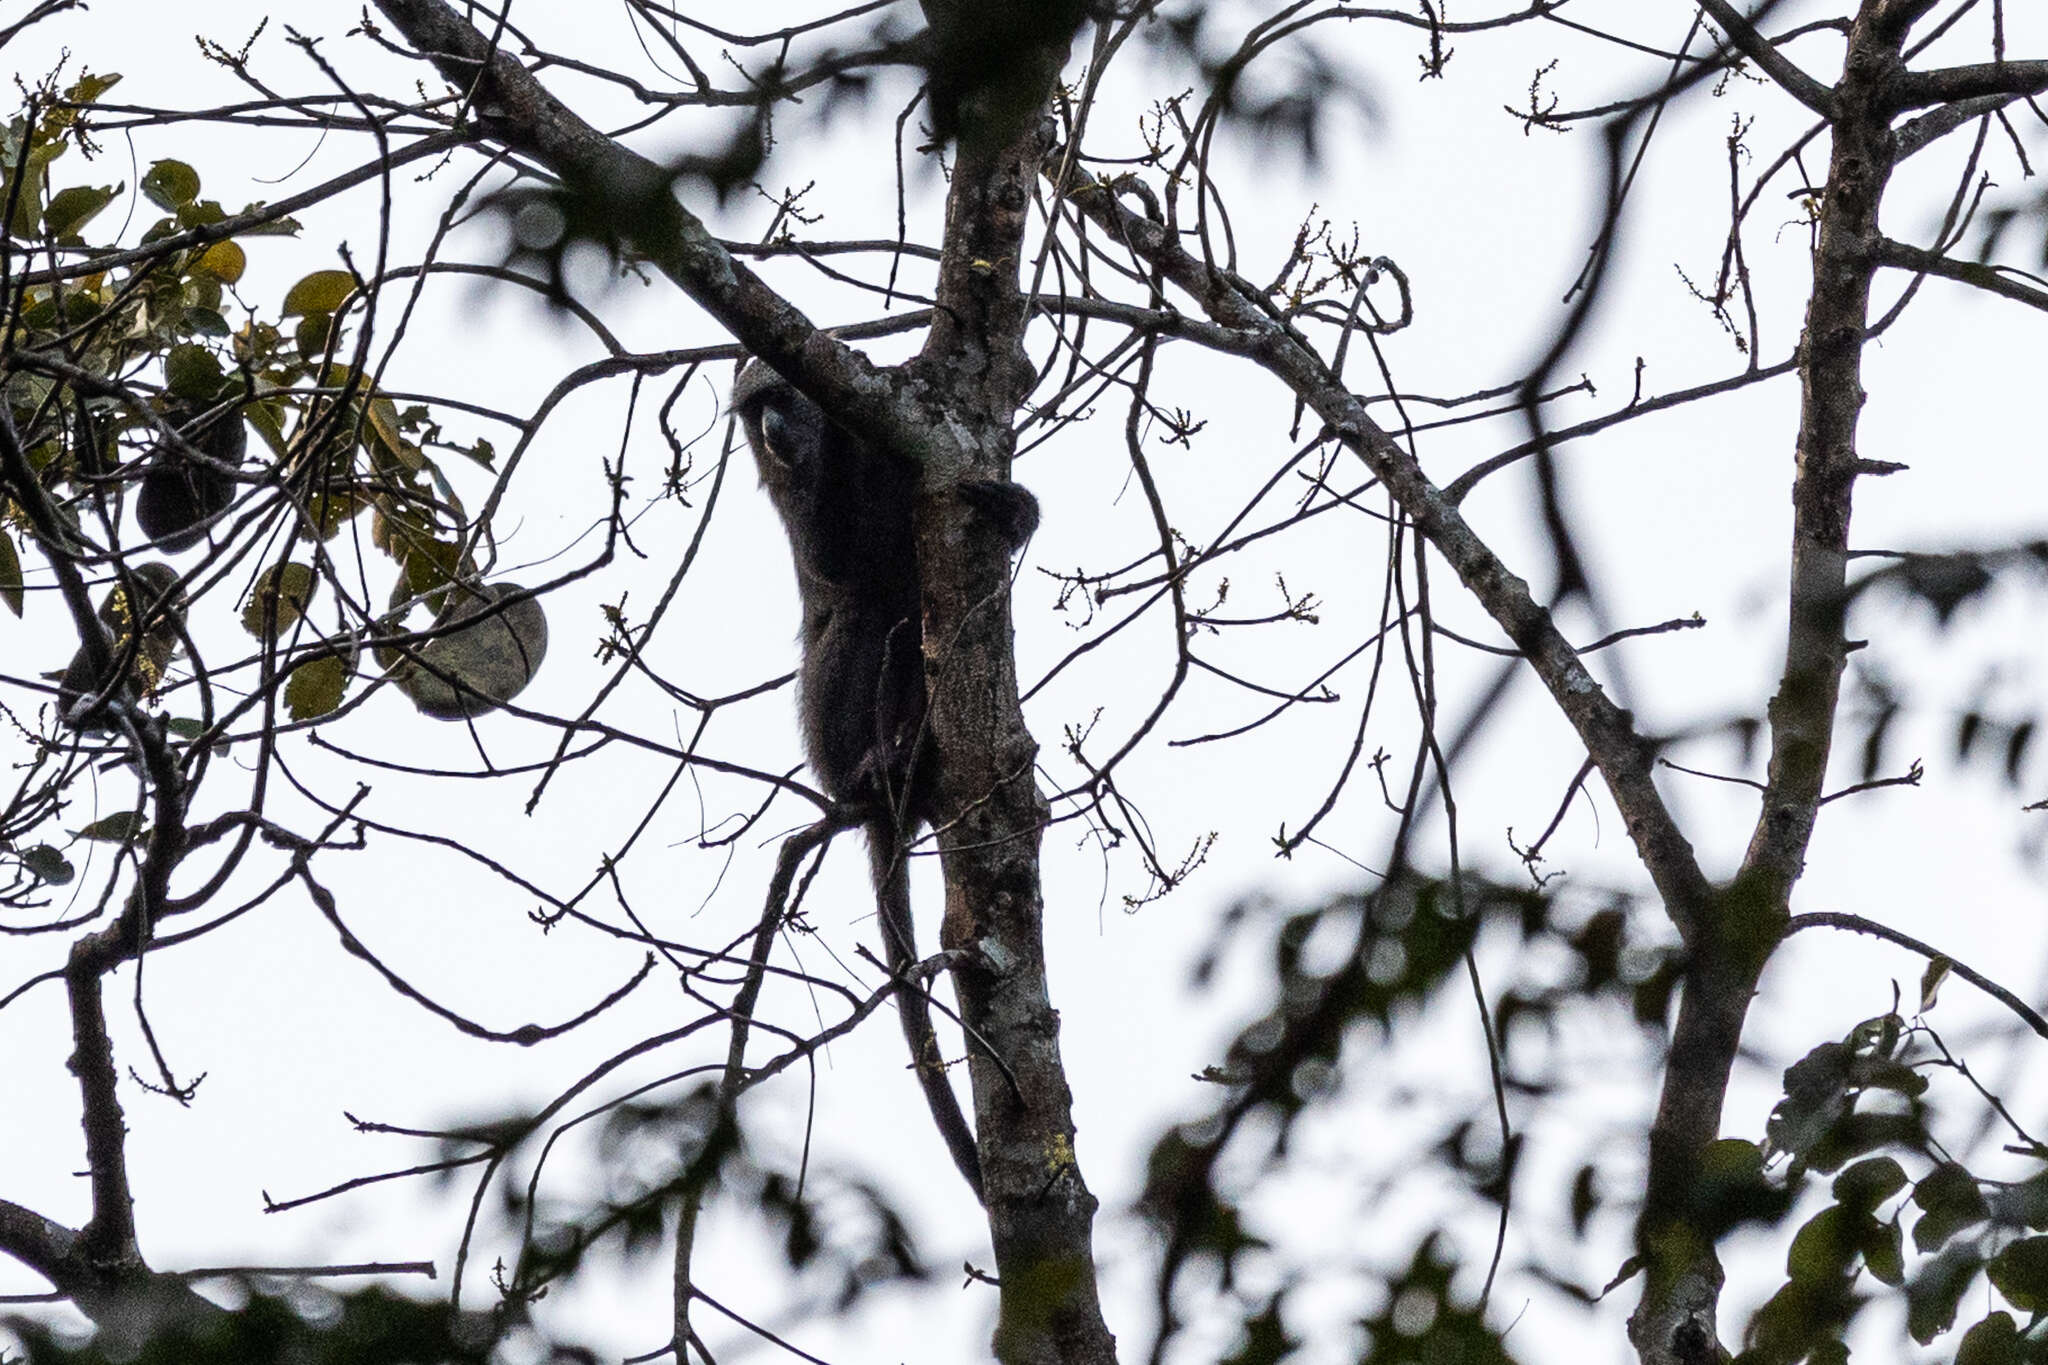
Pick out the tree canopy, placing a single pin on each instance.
(1446, 423)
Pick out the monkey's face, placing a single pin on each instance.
(781, 441)
(790, 435)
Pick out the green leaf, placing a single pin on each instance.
(1869, 1183)
(290, 587)
(1816, 1094)
(207, 323)
(1800, 1322)
(186, 727)
(1952, 1201)
(205, 213)
(1821, 1249)
(1857, 1133)
(1879, 1036)
(316, 687)
(193, 371)
(48, 864)
(2024, 1204)
(71, 209)
(125, 828)
(312, 333)
(323, 291)
(1884, 1074)
(1733, 1188)
(1883, 1254)
(1994, 1341)
(2020, 1272)
(170, 185)
(1932, 1297)
(10, 573)
(276, 227)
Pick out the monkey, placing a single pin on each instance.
(179, 494)
(846, 509)
(86, 697)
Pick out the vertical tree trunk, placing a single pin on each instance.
(1675, 1322)
(1041, 1214)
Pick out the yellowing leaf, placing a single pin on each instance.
(90, 87)
(225, 261)
(290, 587)
(124, 828)
(204, 213)
(323, 291)
(383, 415)
(29, 196)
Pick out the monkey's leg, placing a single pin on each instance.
(892, 901)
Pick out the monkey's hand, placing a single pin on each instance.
(1008, 506)
(890, 774)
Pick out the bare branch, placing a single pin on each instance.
(1917, 89)
(1776, 64)
(1607, 731)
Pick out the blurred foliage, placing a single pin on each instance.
(1986, 732)
(304, 1325)
(841, 1233)
(1857, 1110)
(1346, 974)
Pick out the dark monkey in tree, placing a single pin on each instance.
(847, 510)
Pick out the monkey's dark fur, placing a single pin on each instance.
(846, 508)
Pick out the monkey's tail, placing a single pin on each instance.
(892, 901)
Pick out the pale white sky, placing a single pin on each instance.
(1681, 513)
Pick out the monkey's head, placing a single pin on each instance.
(819, 475)
(786, 430)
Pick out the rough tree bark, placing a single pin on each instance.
(1675, 1322)
(952, 410)
(1041, 1214)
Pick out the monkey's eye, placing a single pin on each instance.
(778, 435)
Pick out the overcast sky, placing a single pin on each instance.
(1683, 513)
